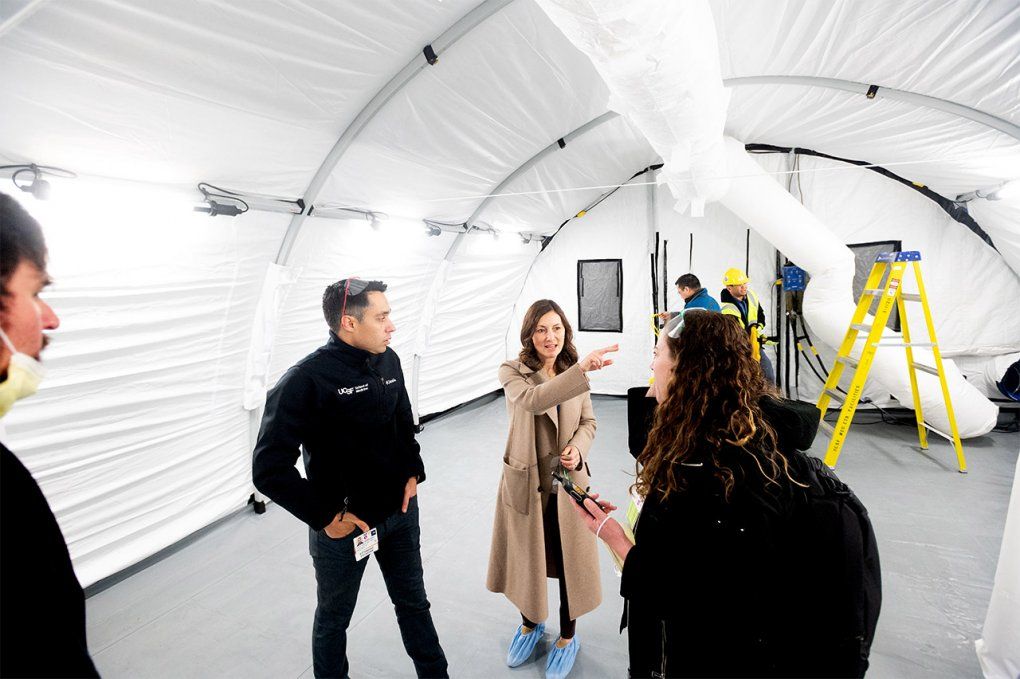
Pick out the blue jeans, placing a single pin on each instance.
(766, 367)
(338, 579)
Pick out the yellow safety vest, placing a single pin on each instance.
(751, 323)
(731, 309)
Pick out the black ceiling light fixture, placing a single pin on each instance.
(220, 201)
(29, 178)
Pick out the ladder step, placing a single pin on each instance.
(849, 360)
(860, 326)
(904, 344)
(940, 433)
(926, 369)
(872, 291)
(835, 394)
(826, 427)
(910, 297)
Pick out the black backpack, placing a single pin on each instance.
(839, 560)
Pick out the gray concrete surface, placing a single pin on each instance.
(238, 601)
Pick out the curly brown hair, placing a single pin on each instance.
(711, 414)
(529, 356)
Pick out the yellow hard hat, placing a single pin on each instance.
(734, 276)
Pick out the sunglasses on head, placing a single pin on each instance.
(353, 286)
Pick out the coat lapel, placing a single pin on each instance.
(538, 377)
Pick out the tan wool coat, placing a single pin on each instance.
(517, 563)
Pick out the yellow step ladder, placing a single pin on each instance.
(890, 293)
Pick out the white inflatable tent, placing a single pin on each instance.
(469, 154)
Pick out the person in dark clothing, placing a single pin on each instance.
(725, 577)
(693, 295)
(42, 606)
(344, 406)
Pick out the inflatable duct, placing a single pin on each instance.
(660, 61)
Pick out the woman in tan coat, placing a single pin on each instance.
(536, 534)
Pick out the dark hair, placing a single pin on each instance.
(688, 280)
(529, 356)
(333, 302)
(21, 239)
(712, 413)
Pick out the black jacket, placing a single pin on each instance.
(42, 607)
(717, 588)
(349, 412)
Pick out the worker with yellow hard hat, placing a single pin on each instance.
(742, 303)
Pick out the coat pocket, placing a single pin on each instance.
(516, 488)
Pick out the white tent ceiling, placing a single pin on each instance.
(252, 96)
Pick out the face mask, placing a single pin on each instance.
(24, 374)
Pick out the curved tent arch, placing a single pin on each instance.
(447, 39)
(944, 105)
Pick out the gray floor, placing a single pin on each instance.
(238, 602)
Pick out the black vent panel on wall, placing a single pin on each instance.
(864, 260)
(600, 295)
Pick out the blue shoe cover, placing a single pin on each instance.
(523, 645)
(561, 660)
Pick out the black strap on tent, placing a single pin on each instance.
(655, 273)
(665, 276)
(582, 213)
(872, 91)
(561, 143)
(690, 254)
(655, 293)
(430, 55)
(778, 324)
(955, 210)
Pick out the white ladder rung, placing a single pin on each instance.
(826, 427)
(910, 297)
(926, 369)
(872, 291)
(860, 326)
(835, 394)
(940, 433)
(849, 360)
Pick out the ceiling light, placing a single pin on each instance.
(29, 179)
(1008, 191)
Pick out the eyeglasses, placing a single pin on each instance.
(675, 330)
(354, 286)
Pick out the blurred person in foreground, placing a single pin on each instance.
(42, 606)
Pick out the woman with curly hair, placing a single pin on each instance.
(728, 575)
(536, 534)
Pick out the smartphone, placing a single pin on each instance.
(575, 491)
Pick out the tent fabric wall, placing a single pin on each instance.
(466, 344)
(138, 437)
(618, 229)
(327, 250)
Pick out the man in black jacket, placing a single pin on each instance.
(345, 406)
(42, 607)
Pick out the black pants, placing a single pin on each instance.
(554, 567)
(338, 576)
